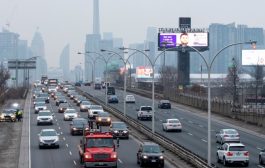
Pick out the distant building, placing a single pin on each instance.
(8, 45)
(65, 62)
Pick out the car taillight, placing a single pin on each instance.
(229, 154)
(225, 135)
(246, 153)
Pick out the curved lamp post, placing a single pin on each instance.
(209, 67)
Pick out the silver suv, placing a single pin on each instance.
(48, 138)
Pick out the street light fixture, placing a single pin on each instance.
(209, 67)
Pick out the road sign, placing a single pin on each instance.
(21, 64)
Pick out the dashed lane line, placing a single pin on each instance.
(74, 162)
(203, 140)
(66, 145)
(189, 133)
(120, 161)
(70, 153)
(64, 138)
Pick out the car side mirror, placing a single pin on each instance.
(262, 150)
(219, 148)
(53, 114)
(163, 151)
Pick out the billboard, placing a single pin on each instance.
(144, 72)
(253, 57)
(170, 40)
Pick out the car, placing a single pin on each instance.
(230, 153)
(119, 130)
(97, 86)
(113, 99)
(62, 107)
(87, 84)
(48, 138)
(79, 126)
(59, 100)
(110, 90)
(80, 100)
(70, 92)
(40, 106)
(227, 135)
(262, 157)
(94, 110)
(76, 98)
(144, 112)
(45, 117)
(57, 94)
(172, 125)
(78, 84)
(39, 99)
(85, 105)
(44, 95)
(164, 104)
(149, 154)
(52, 89)
(8, 115)
(103, 119)
(73, 95)
(70, 114)
(130, 99)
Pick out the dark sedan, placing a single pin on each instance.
(113, 99)
(164, 104)
(119, 130)
(79, 126)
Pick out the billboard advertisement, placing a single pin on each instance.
(168, 40)
(144, 72)
(253, 57)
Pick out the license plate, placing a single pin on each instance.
(153, 161)
(100, 164)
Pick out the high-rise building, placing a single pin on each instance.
(96, 25)
(23, 50)
(37, 48)
(8, 45)
(138, 59)
(65, 62)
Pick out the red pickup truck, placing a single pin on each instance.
(97, 149)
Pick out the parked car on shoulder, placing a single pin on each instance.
(149, 154)
(164, 104)
(8, 115)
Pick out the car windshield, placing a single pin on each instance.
(45, 114)
(104, 114)
(96, 107)
(237, 148)
(79, 122)
(64, 105)
(40, 99)
(44, 95)
(173, 121)
(146, 108)
(48, 133)
(119, 125)
(151, 149)
(40, 104)
(70, 111)
(7, 111)
(230, 132)
(86, 103)
(164, 101)
(100, 142)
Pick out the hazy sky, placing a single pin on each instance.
(68, 21)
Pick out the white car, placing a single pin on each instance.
(85, 106)
(232, 153)
(130, 99)
(40, 106)
(172, 125)
(52, 89)
(48, 138)
(45, 117)
(70, 114)
(94, 110)
(144, 112)
(227, 135)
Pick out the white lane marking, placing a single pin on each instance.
(203, 140)
(59, 128)
(190, 134)
(201, 126)
(190, 122)
(181, 118)
(70, 153)
(160, 120)
(61, 133)
(259, 148)
(57, 123)
(56, 120)
(66, 145)
(74, 162)
(120, 161)
(260, 166)
(64, 138)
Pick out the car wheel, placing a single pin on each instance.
(224, 162)
(217, 158)
(246, 164)
(40, 147)
(141, 164)
(221, 141)
(58, 146)
(81, 159)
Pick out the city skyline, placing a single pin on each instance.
(71, 22)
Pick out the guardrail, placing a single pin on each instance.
(168, 144)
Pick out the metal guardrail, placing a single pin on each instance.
(168, 144)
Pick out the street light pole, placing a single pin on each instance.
(209, 67)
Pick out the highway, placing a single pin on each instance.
(194, 133)
(67, 155)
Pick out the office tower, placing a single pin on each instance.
(96, 26)
(23, 50)
(65, 62)
(8, 45)
(37, 48)
(138, 59)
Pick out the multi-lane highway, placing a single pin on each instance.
(67, 155)
(194, 134)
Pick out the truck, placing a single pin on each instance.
(144, 112)
(97, 149)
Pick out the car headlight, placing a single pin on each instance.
(108, 119)
(36, 108)
(86, 128)
(145, 157)
(99, 119)
(116, 131)
(45, 108)
(41, 140)
(74, 128)
(48, 98)
(61, 109)
(125, 132)
(82, 106)
(161, 157)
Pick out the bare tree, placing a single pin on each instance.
(4, 76)
(168, 79)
